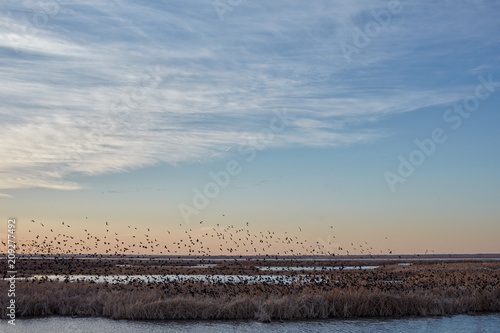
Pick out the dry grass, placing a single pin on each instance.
(341, 295)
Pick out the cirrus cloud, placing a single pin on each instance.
(109, 87)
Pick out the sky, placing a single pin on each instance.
(337, 122)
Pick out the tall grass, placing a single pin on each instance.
(418, 290)
(34, 299)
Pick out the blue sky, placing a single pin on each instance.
(120, 110)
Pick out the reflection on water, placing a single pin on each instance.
(202, 277)
(457, 324)
(316, 268)
(207, 278)
(177, 278)
(208, 258)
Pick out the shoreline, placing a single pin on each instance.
(341, 304)
(422, 289)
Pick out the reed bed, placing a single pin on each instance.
(339, 295)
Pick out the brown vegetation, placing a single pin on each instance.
(420, 289)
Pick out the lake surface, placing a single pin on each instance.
(177, 278)
(166, 278)
(312, 268)
(456, 324)
(166, 258)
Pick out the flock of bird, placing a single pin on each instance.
(219, 264)
(141, 264)
(226, 242)
(203, 241)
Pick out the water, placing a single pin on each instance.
(456, 324)
(199, 277)
(178, 278)
(312, 268)
(166, 258)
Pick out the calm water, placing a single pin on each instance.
(152, 258)
(456, 324)
(312, 268)
(198, 277)
(179, 277)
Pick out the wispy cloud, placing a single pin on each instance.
(108, 87)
